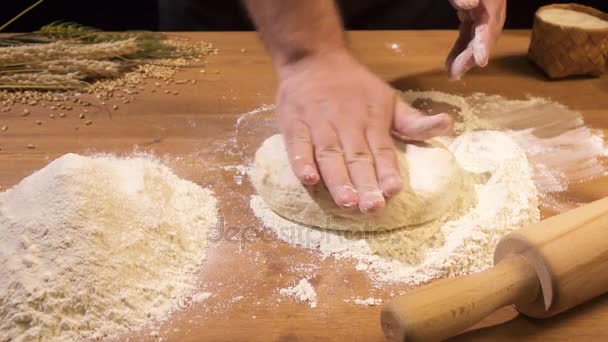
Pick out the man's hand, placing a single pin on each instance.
(481, 22)
(335, 115)
(337, 119)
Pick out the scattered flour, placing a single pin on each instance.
(462, 243)
(237, 298)
(94, 247)
(368, 302)
(262, 109)
(239, 170)
(201, 297)
(302, 292)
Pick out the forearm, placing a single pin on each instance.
(296, 29)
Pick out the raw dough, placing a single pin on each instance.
(569, 18)
(433, 183)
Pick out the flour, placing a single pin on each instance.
(261, 109)
(201, 297)
(462, 242)
(239, 170)
(561, 149)
(237, 299)
(94, 247)
(368, 302)
(570, 18)
(302, 292)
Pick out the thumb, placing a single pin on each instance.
(410, 123)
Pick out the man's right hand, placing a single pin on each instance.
(337, 118)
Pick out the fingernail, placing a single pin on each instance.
(347, 196)
(392, 186)
(371, 202)
(309, 175)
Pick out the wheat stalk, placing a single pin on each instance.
(27, 54)
(41, 80)
(88, 67)
(5, 25)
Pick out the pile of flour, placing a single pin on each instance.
(463, 242)
(94, 247)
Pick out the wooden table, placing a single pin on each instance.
(192, 131)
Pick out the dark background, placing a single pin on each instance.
(228, 15)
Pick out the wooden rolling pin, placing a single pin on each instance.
(543, 270)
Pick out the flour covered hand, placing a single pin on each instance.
(481, 23)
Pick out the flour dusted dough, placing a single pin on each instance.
(433, 182)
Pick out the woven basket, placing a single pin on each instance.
(565, 51)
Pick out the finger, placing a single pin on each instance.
(300, 152)
(410, 123)
(385, 159)
(361, 168)
(463, 63)
(330, 161)
(483, 38)
(481, 45)
(464, 37)
(464, 4)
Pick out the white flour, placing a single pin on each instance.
(201, 297)
(302, 292)
(91, 248)
(371, 301)
(465, 241)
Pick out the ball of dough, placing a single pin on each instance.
(432, 183)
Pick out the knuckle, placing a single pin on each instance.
(328, 151)
(359, 157)
(378, 110)
(384, 151)
(297, 140)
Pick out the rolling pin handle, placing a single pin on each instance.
(447, 307)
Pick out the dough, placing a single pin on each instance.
(432, 177)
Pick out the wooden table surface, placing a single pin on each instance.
(195, 132)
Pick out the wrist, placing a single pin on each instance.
(327, 58)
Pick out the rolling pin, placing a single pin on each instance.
(543, 270)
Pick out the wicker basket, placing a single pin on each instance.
(565, 51)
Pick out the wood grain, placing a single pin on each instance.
(447, 307)
(569, 254)
(190, 131)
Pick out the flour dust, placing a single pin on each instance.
(462, 243)
(95, 247)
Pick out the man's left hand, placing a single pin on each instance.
(481, 22)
